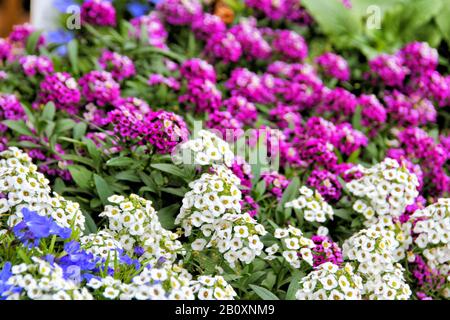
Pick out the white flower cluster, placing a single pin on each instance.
(433, 229)
(133, 222)
(398, 233)
(293, 247)
(213, 288)
(43, 281)
(371, 249)
(384, 189)
(206, 149)
(169, 282)
(103, 245)
(312, 205)
(25, 187)
(212, 208)
(329, 282)
(390, 284)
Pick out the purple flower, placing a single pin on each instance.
(224, 46)
(251, 39)
(202, 95)
(197, 69)
(180, 12)
(207, 24)
(390, 69)
(22, 32)
(152, 24)
(98, 13)
(121, 67)
(419, 57)
(334, 65)
(291, 45)
(10, 109)
(99, 87)
(62, 90)
(33, 65)
(326, 183)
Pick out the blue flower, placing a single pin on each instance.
(61, 38)
(62, 5)
(34, 227)
(137, 9)
(77, 259)
(5, 274)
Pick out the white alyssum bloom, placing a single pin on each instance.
(370, 249)
(398, 233)
(212, 288)
(43, 281)
(384, 189)
(329, 282)
(432, 235)
(134, 223)
(211, 215)
(165, 282)
(312, 205)
(390, 284)
(102, 245)
(292, 246)
(206, 149)
(24, 187)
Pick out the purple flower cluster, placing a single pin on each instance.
(338, 103)
(202, 96)
(241, 109)
(326, 251)
(20, 34)
(326, 183)
(428, 279)
(157, 79)
(373, 113)
(251, 39)
(223, 121)
(5, 50)
(121, 67)
(98, 13)
(291, 45)
(99, 87)
(224, 46)
(275, 182)
(334, 65)
(33, 65)
(282, 9)
(390, 69)
(156, 32)
(198, 69)
(161, 129)
(206, 25)
(180, 12)
(62, 90)
(409, 110)
(10, 109)
(417, 146)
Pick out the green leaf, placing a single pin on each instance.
(263, 293)
(19, 126)
(103, 189)
(442, 20)
(293, 287)
(64, 125)
(333, 17)
(94, 152)
(79, 130)
(72, 50)
(175, 191)
(169, 168)
(120, 162)
(90, 226)
(167, 215)
(81, 176)
(290, 193)
(128, 175)
(32, 42)
(356, 119)
(48, 113)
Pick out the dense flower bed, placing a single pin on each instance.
(169, 152)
